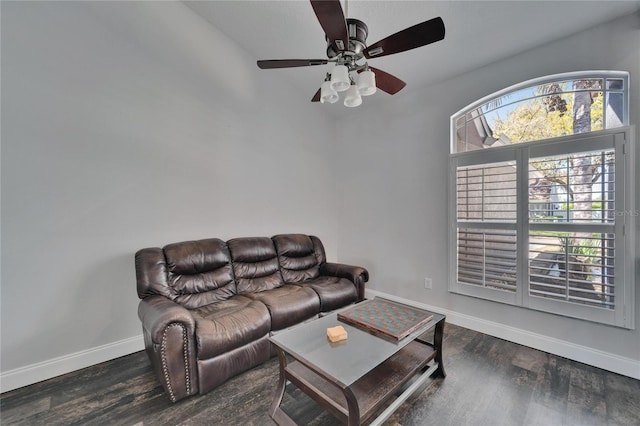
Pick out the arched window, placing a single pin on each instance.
(541, 197)
(557, 105)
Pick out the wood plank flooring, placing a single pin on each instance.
(489, 382)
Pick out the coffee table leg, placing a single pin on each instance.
(437, 343)
(354, 409)
(276, 413)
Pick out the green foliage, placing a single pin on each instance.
(594, 206)
(574, 245)
(581, 247)
(542, 118)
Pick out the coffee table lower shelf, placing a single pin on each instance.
(358, 402)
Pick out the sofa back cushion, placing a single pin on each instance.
(199, 272)
(300, 256)
(151, 273)
(255, 264)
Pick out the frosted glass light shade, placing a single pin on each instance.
(327, 94)
(352, 98)
(340, 78)
(367, 83)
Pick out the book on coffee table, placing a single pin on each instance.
(385, 318)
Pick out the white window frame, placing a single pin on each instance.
(621, 139)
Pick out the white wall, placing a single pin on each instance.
(394, 210)
(128, 125)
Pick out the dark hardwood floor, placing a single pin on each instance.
(489, 382)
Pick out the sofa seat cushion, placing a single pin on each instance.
(289, 304)
(333, 292)
(229, 324)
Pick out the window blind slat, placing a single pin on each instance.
(487, 258)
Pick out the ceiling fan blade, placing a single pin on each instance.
(289, 63)
(331, 18)
(316, 97)
(419, 35)
(387, 82)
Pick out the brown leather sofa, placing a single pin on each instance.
(209, 306)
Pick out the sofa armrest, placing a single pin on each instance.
(356, 274)
(158, 312)
(169, 337)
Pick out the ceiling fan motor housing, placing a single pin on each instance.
(357, 32)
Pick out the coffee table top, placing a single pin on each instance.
(346, 361)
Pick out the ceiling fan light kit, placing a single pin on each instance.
(352, 98)
(367, 83)
(327, 94)
(346, 46)
(340, 80)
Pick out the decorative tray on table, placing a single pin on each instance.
(385, 318)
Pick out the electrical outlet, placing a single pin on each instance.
(427, 283)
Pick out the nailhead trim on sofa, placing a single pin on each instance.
(185, 350)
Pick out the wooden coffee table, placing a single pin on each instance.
(356, 378)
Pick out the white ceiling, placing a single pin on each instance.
(477, 32)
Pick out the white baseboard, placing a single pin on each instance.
(34, 373)
(586, 355)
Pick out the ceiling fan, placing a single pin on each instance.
(346, 46)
